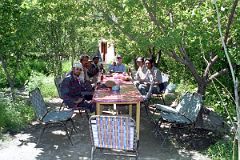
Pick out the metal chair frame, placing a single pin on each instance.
(115, 134)
(50, 118)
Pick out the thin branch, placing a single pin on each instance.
(225, 70)
(210, 63)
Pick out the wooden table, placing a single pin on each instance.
(128, 94)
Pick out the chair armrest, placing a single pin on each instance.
(165, 108)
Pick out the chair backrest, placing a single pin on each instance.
(113, 132)
(165, 77)
(190, 106)
(58, 81)
(38, 103)
(164, 83)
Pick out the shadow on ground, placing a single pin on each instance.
(55, 145)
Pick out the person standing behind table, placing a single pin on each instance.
(140, 76)
(119, 66)
(71, 89)
(152, 75)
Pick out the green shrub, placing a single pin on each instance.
(66, 66)
(222, 150)
(14, 116)
(45, 83)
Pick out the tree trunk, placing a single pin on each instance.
(9, 79)
(202, 87)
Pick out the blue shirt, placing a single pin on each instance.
(118, 68)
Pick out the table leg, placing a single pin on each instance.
(130, 110)
(138, 119)
(98, 109)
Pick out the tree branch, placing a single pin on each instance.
(217, 74)
(153, 17)
(230, 20)
(190, 65)
(209, 65)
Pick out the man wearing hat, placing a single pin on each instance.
(71, 89)
(119, 66)
(140, 76)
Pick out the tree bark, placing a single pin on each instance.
(9, 79)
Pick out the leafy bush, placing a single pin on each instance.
(14, 116)
(221, 150)
(39, 66)
(66, 66)
(46, 84)
(183, 87)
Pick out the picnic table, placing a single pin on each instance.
(128, 94)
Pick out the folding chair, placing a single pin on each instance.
(115, 134)
(49, 117)
(162, 87)
(185, 113)
(58, 81)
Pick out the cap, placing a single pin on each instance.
(95, 57)
(119, 56)
(77, 65)
(140, 59)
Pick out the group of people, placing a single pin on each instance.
(146, 74)
(78, 86)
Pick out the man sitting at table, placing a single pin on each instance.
(119, 67)
(71, 89)
(94, 69)
(152, 75)
(87, 89)
(140, 76)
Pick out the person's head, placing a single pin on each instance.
(95, 59)
(149, 63)
(140, 61)
(114, 63)
(77, 68)
(119, 59)
(84, 60)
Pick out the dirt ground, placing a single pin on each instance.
(55, 145)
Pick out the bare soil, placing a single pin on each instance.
(178, 143)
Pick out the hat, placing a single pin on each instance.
(95, 57)
(119, 56)
(140, 59)
(77, 65)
